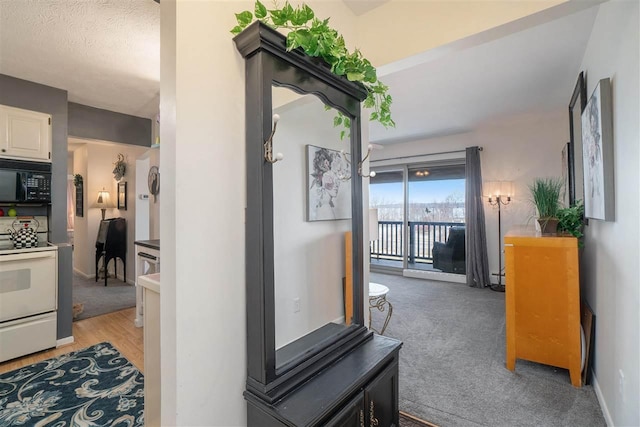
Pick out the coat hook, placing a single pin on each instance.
(370, 174)
(268, 145)
(369, 150)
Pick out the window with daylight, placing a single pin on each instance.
(420, 217)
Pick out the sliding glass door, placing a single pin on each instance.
(386, 193)
(431, 198)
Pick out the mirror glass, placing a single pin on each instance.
(312, 213)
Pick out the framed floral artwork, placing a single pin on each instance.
(328, 184)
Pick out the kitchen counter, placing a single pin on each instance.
(147, 262)
(153, 244)
(150, 281)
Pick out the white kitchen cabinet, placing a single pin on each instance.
(24, 134)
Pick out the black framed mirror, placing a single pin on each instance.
(576, 107)
(295, 222)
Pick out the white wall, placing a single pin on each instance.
(96, 161)
(610, 260)
(309, 256)
(518, 149)
(81, 258)
(203, 141)
(202, 166)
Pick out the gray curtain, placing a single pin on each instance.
(477, 262)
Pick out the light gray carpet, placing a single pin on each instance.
(452, 364)
(99, 299)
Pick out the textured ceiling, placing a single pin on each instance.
(105, 53)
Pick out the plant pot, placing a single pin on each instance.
(548, 225)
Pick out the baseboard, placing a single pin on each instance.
(65, 341)
(129, 280)
(601, 401)
(433, 275)
(93, 276)
(81, 273)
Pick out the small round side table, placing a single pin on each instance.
(378, 299)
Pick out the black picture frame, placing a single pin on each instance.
(567, 178)
(122, 196)
(79, 197)
(576, 173)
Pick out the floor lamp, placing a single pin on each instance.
(500, 193)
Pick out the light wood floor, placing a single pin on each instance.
(116, 328)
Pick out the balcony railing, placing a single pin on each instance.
(422, 236)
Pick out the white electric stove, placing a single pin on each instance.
(28, 291)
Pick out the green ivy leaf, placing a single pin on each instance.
(369, 102)
(298, 17)
(355, 77)
(278, 17)
(244, 18)
(370, 75)
(342, 134)
(338, 68)
(308, 12)
(237, 30)
(337, 120)
(288, 12)
(260, 10)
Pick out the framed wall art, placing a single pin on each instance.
(576, 107)
(597, 154)
(122, 196)
(328, 184)
(78, 182)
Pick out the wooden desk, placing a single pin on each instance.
(543, 301)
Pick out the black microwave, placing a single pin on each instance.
(25, 182)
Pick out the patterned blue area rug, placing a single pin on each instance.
(95, 386)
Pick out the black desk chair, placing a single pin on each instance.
(112, 244)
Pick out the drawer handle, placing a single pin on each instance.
(361, 418)
(372, 419)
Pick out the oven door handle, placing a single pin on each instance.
(148, 257)
(27, 255)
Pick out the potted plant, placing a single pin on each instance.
(571, 221)
(546, 198)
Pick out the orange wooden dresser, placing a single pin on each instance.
(543, 300)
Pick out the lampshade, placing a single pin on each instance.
(506, 188)
(373, 224)
(103, 201)
(498, 188)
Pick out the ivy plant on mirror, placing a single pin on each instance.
(317, 39)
